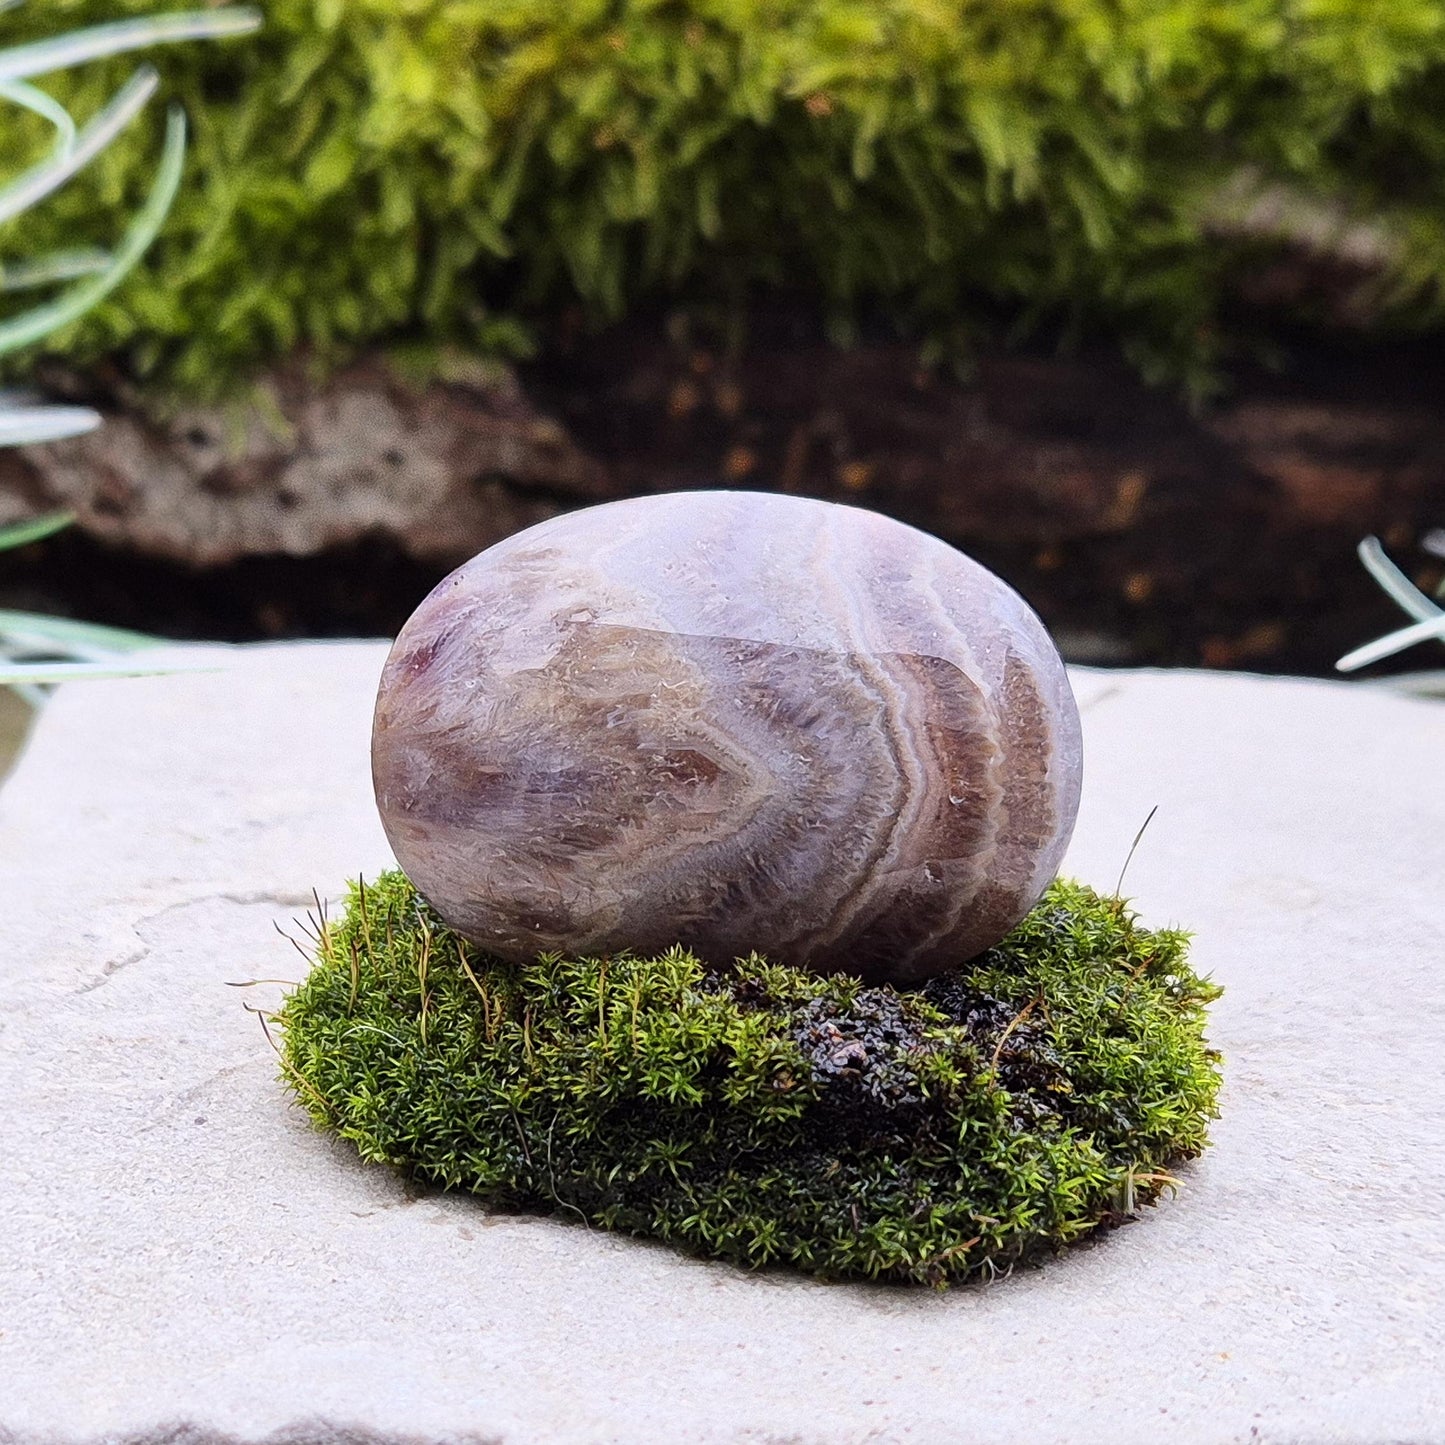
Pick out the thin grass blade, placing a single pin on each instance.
(42, 57)
(33, 697)
(1395, 584)
(49, 674)
(50, 175)
(36, 630)
(48, 270)
(1432, 629)
(21, 93)
(40, 321)
(31, 426)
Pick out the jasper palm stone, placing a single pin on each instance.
(737, 721)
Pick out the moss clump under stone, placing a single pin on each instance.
(760, 1113)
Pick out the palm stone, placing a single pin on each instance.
(737, 721)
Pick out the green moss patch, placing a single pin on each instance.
(365, 169)
(760, 1113)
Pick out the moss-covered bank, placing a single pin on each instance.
(458, 170)
(763, 1114)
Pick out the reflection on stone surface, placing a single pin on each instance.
(733, 720)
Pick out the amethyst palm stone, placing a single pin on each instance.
(736, 721)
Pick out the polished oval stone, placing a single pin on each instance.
(733, 720)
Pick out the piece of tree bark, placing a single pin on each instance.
(304, 467)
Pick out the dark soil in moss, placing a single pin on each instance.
(762, 1114)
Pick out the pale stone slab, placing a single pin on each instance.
(179, 1248)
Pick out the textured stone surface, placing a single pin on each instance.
(179, 1249)
(301, 466)
(733, 720)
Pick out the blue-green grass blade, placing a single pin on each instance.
(48, 270)
(36, 674)
(49, 175)
(33, 697)
(32, 425)
(1432, 629)
(43, 57)
(33, 629)
(40, 321)
(1395, 584)
(21, 93)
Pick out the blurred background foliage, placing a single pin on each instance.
(1137, 301)
(455, 170)
(37, 650)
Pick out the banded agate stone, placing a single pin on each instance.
(733, 720)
